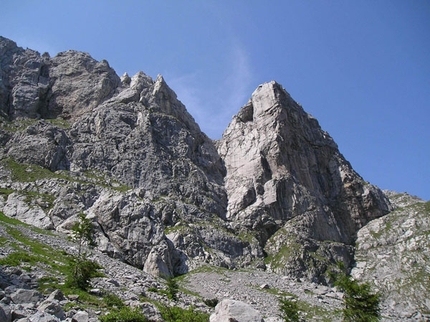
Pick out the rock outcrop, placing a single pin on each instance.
(230, 310)
(289, 186)
(273, 193)
(393, 252)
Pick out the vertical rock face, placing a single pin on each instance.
(288, 184)
(392, 254)
(162, 195)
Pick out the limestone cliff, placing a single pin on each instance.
(289, 186)
(273, 193)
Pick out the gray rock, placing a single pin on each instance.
(17, 207)
(5, 313)
(56, 295)
(289, 186)
(81, 316)
(22, 296)
(273, 319)
(151, 312)
(52, 307)
(274, 193)
(392, 254)
(20, 312)
(230, 310)
(42, 317)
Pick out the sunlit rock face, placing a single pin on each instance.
(288, 183)
(273, 193)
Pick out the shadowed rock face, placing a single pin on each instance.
(161, 194)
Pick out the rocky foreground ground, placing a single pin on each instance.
(23, 296)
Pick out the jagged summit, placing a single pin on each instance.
(274, 193)
(287, 181)
(275, 176)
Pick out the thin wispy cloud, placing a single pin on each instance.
(213, 105)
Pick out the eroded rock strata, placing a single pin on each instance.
(273, 194)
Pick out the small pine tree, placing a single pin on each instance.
(289, 310)
(83, 233)
(83, 269)
(172, 288)
(360, 304)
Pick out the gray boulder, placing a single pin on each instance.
(5, 313)
(42, 317)
(81, 316)
(392, 255)
(52, 307)
(23, 296)
(237, 311)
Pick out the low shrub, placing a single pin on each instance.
(176, 314)
(289, 310)
(125, 314)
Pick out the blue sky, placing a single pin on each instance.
(362, 68)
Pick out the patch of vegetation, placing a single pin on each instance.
(18, 258)
(82, 268)
(275, 291)
(289, 310)
(113, 301)
(174, 314)
(176, 228)
(81, 273)
(61, 123)
(18, 125)
(315, 312)
(247, 237)
(211, 302)
(28, 172)
(360, 304)
(206, 269)
(8, 220)
(6, 192)
(40, 253)
(99, 178)
(290, 249)
(172, 289)
(3, 241)
(125, 314)
(44, 200)
(15, 222)
(427, 207)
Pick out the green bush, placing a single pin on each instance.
(360, 304)
(113, 300)
(177, 314)
(82, 272)
(211, 302)
(289, 310)
(172, 289)
(17, 258)
(125, 314)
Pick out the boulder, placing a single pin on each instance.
(23, 296)
(80, 316)
(52, 307)
(42, 317)
(5, 313)
(229, 310)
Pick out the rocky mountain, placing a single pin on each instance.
(289, 186)
(274, 194)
